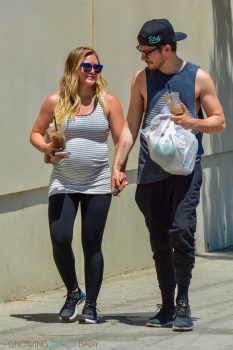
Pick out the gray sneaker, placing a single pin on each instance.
(89, 314)
(183, 320)
(163, 318)
(69, 309)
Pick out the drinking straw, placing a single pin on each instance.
(54, 118)
(168, 87)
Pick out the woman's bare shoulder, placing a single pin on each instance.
(110, 98)
(111, 103)
(52, 99)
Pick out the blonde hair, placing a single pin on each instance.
(69, 100)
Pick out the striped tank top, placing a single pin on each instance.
(87, 168)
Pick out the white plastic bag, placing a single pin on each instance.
(171, 146)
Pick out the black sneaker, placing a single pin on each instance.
(163, 318)
(69, 309)
(183, 320)
(89, 314)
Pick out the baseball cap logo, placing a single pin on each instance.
(154, 39)
(158, 31)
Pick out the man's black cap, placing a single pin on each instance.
(158, 32)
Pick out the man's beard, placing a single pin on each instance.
(154, 65)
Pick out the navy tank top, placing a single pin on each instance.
(158, 85)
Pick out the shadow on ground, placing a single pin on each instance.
(133, 319)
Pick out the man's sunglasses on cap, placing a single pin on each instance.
(87, 67)
(147, 54)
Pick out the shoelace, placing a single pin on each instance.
(159, 309)
(159, 306)
(71, 300)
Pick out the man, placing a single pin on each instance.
(168, 202)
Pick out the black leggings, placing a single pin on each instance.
(62, 213)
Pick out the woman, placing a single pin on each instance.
(87, 112)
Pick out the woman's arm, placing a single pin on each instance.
(42, 122)
(115, 116)
(116, 122)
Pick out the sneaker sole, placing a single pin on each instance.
(169, 324)
(182, 329)
(72, 318)
(87, 321)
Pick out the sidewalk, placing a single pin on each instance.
(125, 303)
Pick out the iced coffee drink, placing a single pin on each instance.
(173, 103)
(57, 137)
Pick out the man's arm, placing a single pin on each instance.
(130, 130)
(206, 97)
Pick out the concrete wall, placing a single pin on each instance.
(215, 229)
(36, 37)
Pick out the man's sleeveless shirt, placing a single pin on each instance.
(158, 85)
(87, 168)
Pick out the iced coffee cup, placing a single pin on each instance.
(173, 103)
(57, 136)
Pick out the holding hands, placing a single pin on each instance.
(118, 181)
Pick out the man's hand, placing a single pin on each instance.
(184, 119)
